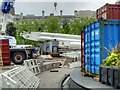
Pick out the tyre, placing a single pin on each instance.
(18, 57)
(116, 87)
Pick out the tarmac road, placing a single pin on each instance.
(52, 79)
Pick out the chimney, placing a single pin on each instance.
(75, 13)
(61, 13)
(51, 14)
(43, 14)
(21, 14)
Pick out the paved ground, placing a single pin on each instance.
(87, 82)
(48, 79)
(6, 68)
(52, 79)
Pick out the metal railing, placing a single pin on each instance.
(19, 77)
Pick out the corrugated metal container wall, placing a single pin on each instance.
(5, 50)
(82, 50)
(109, 11)
(100, 34)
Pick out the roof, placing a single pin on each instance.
(41, 17)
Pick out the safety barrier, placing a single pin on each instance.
(24, 76)
(19, 77)
(37, 68)
(33, 66)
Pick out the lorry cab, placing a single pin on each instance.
(18, 53)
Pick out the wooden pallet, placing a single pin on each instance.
(96, 78)
(85, 74)
(88, 74)
(54, 54)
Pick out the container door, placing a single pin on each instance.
(97, 60)
(87, 49)
(92, 48)
(95, 48)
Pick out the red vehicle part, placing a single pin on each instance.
(5, 51)
(82, 51)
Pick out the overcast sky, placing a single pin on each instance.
(68, 6)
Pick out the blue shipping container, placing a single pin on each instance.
(98, 35)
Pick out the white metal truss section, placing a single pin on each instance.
(37, 66)
(19, 77)
(33, 66)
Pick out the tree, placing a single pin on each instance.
(10, 29)
(66, 28)
(77, 25)
(52, 25)
(27, 26)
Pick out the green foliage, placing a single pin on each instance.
(27, 26)
(52, 25)
(65, 29)
(112, 60)
(114, 57)
(10, 29)
(76, 25)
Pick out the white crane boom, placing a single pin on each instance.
(73, 41)
(6, 16)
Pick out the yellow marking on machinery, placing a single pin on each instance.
(1, 61)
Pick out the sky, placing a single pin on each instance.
(68, 6)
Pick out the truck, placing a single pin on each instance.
(18, 53)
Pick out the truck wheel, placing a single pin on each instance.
(18, 57)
